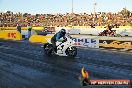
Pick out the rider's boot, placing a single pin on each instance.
(55, 50)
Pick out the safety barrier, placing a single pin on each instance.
(122, 30)
(10, 35)
(117, 43)
(113, 43)
(11, 28)
(25, 28)
(70, 26)
(39, 38)
(95, 31)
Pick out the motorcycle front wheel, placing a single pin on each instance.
(71, 52)
(48, 49)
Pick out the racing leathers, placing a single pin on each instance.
(55, 38)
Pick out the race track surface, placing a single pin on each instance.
(24, 65)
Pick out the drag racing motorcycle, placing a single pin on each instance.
(65, 48)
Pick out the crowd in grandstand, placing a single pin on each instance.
(122, 18)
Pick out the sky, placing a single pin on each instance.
(63, 6)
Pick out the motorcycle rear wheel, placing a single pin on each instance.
(48, 49)
(71, 52)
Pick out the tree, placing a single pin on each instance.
(125, 13)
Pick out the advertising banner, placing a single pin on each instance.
(39, 38)
(114, 44)
(92, 43)
(96, 31)
(11, 35)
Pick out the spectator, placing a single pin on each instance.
(45, 31)
(18, 27)
(9, 19)
(108, 31)
(29, 27)
(108, 28)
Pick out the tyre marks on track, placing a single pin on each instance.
(90, 63)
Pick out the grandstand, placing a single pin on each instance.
(122, 18)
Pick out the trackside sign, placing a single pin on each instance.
(114, 44)
(11, 35)
(84, 42)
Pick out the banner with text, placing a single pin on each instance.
(114, 44)
(92, 43)
(11, 35)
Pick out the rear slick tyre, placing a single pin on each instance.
(72, 52)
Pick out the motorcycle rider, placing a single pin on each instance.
(57, 37)
(107, 31)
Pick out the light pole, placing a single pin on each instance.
(125, 3)
(94, 6)
(94, 9)
(72, 6)
(125, 8)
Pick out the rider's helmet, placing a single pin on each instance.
(63, 31)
